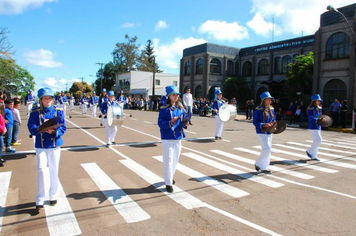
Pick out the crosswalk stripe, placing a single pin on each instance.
(298, 163)
(324, 161)
(60, 218)
(274, 168)
(4, 187)
(221, 186)
(326, 149)
(348, 140)
(127, 208)
(335, 145)
(228, 169)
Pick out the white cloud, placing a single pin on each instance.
(168, 55)
(291, 17)
(222, 30)
(56, 83)
(13, 7)
(42, 57)
(161, 25)
(129, 25)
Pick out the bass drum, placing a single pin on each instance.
(227, 112)
(115, 116)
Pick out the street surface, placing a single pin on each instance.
(120, 190)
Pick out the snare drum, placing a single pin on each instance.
(115, 116)
(226, 112)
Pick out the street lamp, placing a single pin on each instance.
(153, 83)
(330, 8)
(101, 74)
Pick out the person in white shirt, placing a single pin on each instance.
(188, 103)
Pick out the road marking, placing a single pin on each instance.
(60, 218)
(335, 145)
(127, 208)
(231, 170)
(221, 186)
(298, 163)
(326, 149)
(133, 118)
(225, 140)
(189, 132)
(4, 187)
(147, 122)
(274, 168)
(324, 161)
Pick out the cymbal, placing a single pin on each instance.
(279, 128)
(328, 121)
(50, 124)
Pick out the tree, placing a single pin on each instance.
(300, 76)
(146, 59)
(125, 55)
(5, 46)
(78, 88)
(237, 87)
(108, 77)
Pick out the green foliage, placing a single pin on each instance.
(126, 54)
(300, 77)
(237, 87)
(78, 88)
(108, 77)
(146, 59)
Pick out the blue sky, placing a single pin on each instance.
(59, 41)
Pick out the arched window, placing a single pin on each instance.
(247, 69)
(259, 91)
(277, 65)
(230, 68)
(263, 67)
(285, 61)
(187, 68)
(215, 66)
(334, 88)
(237, 68)
(337, 46)
(199, 67)
(198, 92)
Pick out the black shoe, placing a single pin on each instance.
(216, 137)
(257, 168)
(113, 143)
(39, 208)
(100, 116)
(220, 138)
(2, 160)
(308, 154)
(169, 189)
(266, 171)
(1, 164)
(315, 159)
(53, 202)
(174, 182)
(190, 123)
(107, 145)
(101, 124)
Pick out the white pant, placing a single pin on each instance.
(51, 157)
(91, 106)
(219, 126)
(110, 132)
(171, 151)
(84, 108)
(263, 160)
(64, 106)
(29, 108)
(71, 105)
(93, 112)
(313, 150)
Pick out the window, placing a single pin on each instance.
(175, 83)
(215, 66)
(285, 61)
(263, 67)
(337, 46)
(199, 66)
(277, 65)
(247, 69)
(198, 92)
(335, 88)
(187, 68)
(230, 68)
(237, 69)
(157, 82)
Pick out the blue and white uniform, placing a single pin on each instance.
(47, 146)
(71, 103)
(109, 130)
(121, 100)
(29, 100)
(171, 135)
(62, 103)
(314, 128)
(84, 102)
(219, 124)
(94, 100)
(265, 138)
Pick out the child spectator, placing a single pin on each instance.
(2, 131)
(17, 123)
(9, 123)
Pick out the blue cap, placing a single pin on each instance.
(121, 91)
(30, 90)
(111, 93)
(94, 92)
(316, 97)
(265, 95)
(218, 90)
(42, 92)
(104, 90)
(172, 89)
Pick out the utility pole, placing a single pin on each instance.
(82, 78)
(66, 87)
(101, 74)
(153, 78)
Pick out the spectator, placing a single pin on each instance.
(17, 123)
(297, 115)
(290, 112)
(247, 108)
(302, 112)
(2, 131)
(335, 108)
(9, 123)
(343, 112)
(251, 109)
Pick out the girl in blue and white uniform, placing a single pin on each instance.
(171, 127)
(219, 124)
(110, 131)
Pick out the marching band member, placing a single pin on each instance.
(29, 99)
(219, 124)
(94, 103)
(47, 145)
(109, 130)
(171, 127)
(103, 98)
(264, 117)
(71, 102)
(62, 102)
(84, 103)
(314, 111)
(121, 99)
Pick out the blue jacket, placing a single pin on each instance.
(121, 98)
(217, 104)
(29, 98)
(166, 113)
(9, 117)
(62, 100)
(313, 118)
(258, 121)
(83, 100)
(46, 140)
(102, 100)
(104, 107)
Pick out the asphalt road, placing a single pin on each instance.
(120, 190)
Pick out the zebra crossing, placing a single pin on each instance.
(61, 220)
